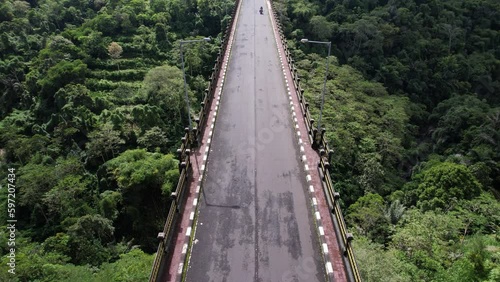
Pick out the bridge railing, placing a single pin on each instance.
(344, 237)
(168, 230)
(332, 197)
(212, 84)
(189, 141)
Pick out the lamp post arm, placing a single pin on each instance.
(320, 42)
(191, 41)
(195, 40)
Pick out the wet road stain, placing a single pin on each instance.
(254, 223)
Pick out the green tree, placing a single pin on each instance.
(445, 183)
(321, 28)
(304, 10)
(115, 51)
(479, 215)
(58, 76)
(163, 87)
(379, 264)
(145, 181)
(153, 138)
(424, 239)
(95, 44)
(365, 126)
(367, 214)
(104, 143)
(69, 198)
(144, 40)
(35, 179)
(65, 110)
(11, 128)
(455, 116)
(75, 114)
(109, 204)
(132, 266)
(6, 11)
(30, 261)
(462, 270)
(89, 236)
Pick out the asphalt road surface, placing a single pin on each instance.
(255, 221)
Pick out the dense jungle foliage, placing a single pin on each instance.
(91, 110)
(412, 111)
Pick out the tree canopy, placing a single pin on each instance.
(91, 108)
(411, 113)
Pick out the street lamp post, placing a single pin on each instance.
(324, 83)
(184, 75)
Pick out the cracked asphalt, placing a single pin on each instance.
(254, 221)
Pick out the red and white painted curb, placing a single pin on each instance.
(314, 202)
(191, 231)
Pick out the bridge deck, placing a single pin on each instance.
(255, 221)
